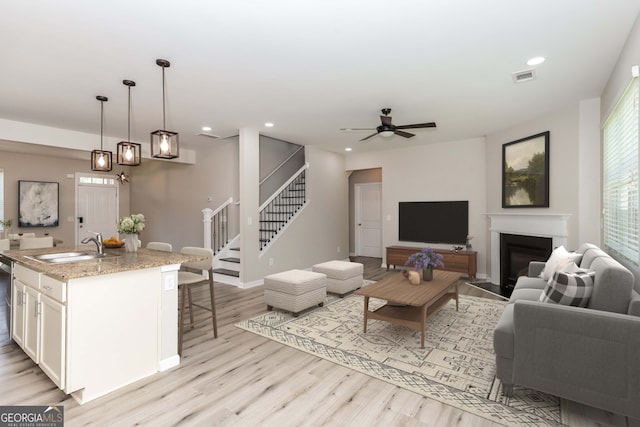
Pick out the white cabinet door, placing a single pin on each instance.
(52, 339)
(17, 311)
(32, 323)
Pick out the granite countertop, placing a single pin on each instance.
(144, 258)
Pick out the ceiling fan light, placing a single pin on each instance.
(386, 133)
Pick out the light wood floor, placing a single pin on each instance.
(241, 379)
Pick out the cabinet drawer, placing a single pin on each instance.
(53, 288)
(27, 276)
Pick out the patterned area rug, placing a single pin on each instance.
(456, 367)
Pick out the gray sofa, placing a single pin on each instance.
(589, 355)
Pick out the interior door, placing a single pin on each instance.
(97, 210)
(368, 219)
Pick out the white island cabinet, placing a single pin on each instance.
(93, 333)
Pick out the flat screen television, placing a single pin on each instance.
(433, 222)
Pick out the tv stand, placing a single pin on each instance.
(459, 261)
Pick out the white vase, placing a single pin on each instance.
(131, 242)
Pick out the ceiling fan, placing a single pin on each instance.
(387, 129)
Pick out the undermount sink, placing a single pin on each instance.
(62, 257)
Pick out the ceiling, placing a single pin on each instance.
(309, 67)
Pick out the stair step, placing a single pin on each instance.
(271, 220)
(231, 259)
(227, 272)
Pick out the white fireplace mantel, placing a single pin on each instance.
(553, 225)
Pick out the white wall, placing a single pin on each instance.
(443, 171)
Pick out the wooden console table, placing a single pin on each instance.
(460, 261)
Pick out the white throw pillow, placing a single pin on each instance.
(559, 259)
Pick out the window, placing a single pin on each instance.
(620, 177)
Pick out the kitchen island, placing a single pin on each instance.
(95, 326)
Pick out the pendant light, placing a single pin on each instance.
(164, 143)
(100, 159)
(129, 153)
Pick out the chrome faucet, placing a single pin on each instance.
(97, 240)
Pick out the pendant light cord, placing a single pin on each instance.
(164, 125)
(129, 118)
(101, 122)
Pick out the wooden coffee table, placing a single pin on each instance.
(420, 301)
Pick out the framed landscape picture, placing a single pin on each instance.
(38, 204)
(525, 172)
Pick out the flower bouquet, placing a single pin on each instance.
(131, 225)
(425, 260)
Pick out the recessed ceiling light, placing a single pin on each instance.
(206, 128)
(348, 149)
(269, 124)
(536, 61)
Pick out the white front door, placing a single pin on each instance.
(96, 206)
(368, 219)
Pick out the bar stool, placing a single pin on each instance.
(36, 242)
(189, 279)
(160, 246)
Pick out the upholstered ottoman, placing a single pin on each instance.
(342, 276)
(295, 290)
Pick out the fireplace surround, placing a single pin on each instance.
(550, 225)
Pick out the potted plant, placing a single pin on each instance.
(425, 260)
(6, 226)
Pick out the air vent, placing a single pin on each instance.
(524, 76)
(209, 135)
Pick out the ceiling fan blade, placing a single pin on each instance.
(386, 120)
(418, 126)
(401, 133)
(349, 129)
(370, 136)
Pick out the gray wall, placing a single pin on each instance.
(51, 166)
(172, 195)
(272, 153)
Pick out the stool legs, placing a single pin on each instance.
(186, 295)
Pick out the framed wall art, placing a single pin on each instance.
(38, 204)
(525, 172)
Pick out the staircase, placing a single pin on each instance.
(280, 208)
(274, 216)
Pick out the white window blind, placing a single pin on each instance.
(620, 177)
(2, 218)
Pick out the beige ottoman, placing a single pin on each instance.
(295, 290)
(342, 276)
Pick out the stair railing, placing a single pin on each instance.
(281, 207)
(216, 226)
